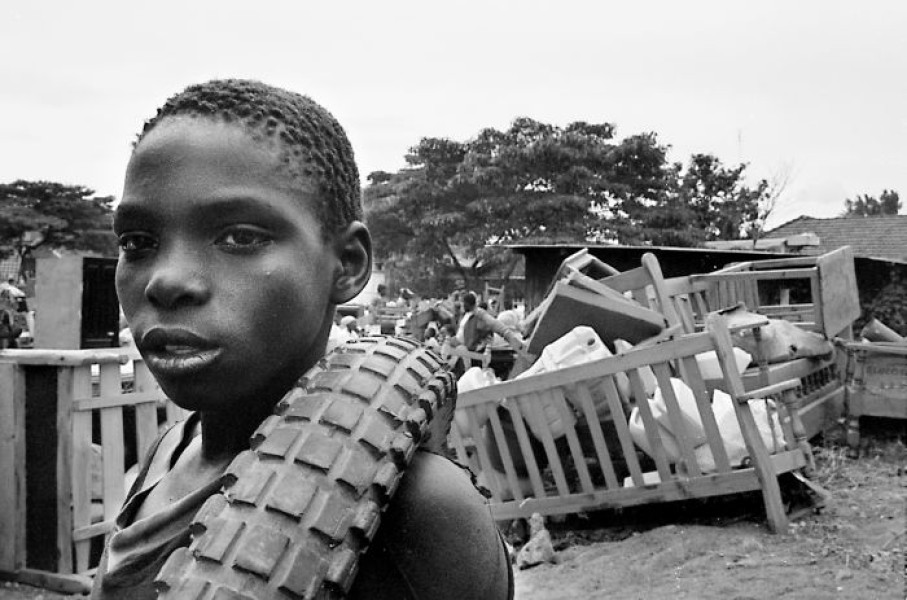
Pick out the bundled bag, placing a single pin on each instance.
(579, 346)
(767, 422)
(690, 419)
(764, 413)
(711, 369)
(473, 379)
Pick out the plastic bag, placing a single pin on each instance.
(579, 346)
(690, 419)
(473, 379)
(767, 423)
(710, 369)
(649, 383)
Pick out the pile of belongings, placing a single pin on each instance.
(581, 320)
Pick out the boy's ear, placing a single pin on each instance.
(354, 247)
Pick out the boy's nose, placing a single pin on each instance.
(177, 280)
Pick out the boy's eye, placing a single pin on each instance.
(136, 243)
(243, 238)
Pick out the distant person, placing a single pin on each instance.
(6, 331)
(380, 299)
(472, 331)
(351, 325)
(431, 339)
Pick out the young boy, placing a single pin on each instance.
(240, 231)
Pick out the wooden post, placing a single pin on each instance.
(789, 400)
(41, 468)
(762, 464)
(64, 469)
(12, 467)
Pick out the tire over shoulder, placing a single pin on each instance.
(299, 508)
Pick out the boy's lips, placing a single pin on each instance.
(176, 351)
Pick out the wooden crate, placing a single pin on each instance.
(876, 384)
(817, 293)
(584, 479)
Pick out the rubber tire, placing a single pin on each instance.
(299, 508)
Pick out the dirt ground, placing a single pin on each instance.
(853, 548)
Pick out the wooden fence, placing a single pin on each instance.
(72, 423)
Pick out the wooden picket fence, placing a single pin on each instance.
(66, 418)
(577, 478)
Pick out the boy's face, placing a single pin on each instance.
(224, 275)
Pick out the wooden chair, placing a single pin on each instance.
(587, 476)
(829, 308)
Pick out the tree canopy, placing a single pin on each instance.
(537, 182)
(888, 204)
(38, 213)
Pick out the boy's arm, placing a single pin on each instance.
(437, 540)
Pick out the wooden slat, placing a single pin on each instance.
(737, 481)
(794, 262)
(706, 414)
(653, 268)
(482, 452)
(174, 413)
(519, 425)
(12, 467)
(838, 293)
(120, 400)
(504, 453)
(678, 427)
(815, 291)
(761, 275)
(64, 469)
(637, 357)
(628, 281)
(801, 311)
(463, 455)
(63, 358)
(84, 534)
(576, 452)
(752, 296)
(81, 467)
(700, 301)
(684, 309)
(64, 583)
(146, 425)
(623, 431)
(771, 491)
(602, 452)
(650, 426)
(532, 409)
(112, 442)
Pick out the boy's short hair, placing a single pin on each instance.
(314, 143)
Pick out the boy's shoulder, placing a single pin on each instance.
(437, 539)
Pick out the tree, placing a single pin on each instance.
(888, 204)
(534, 181)
(44, 213)
(538, 182)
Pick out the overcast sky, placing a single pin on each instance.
(814, 89)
